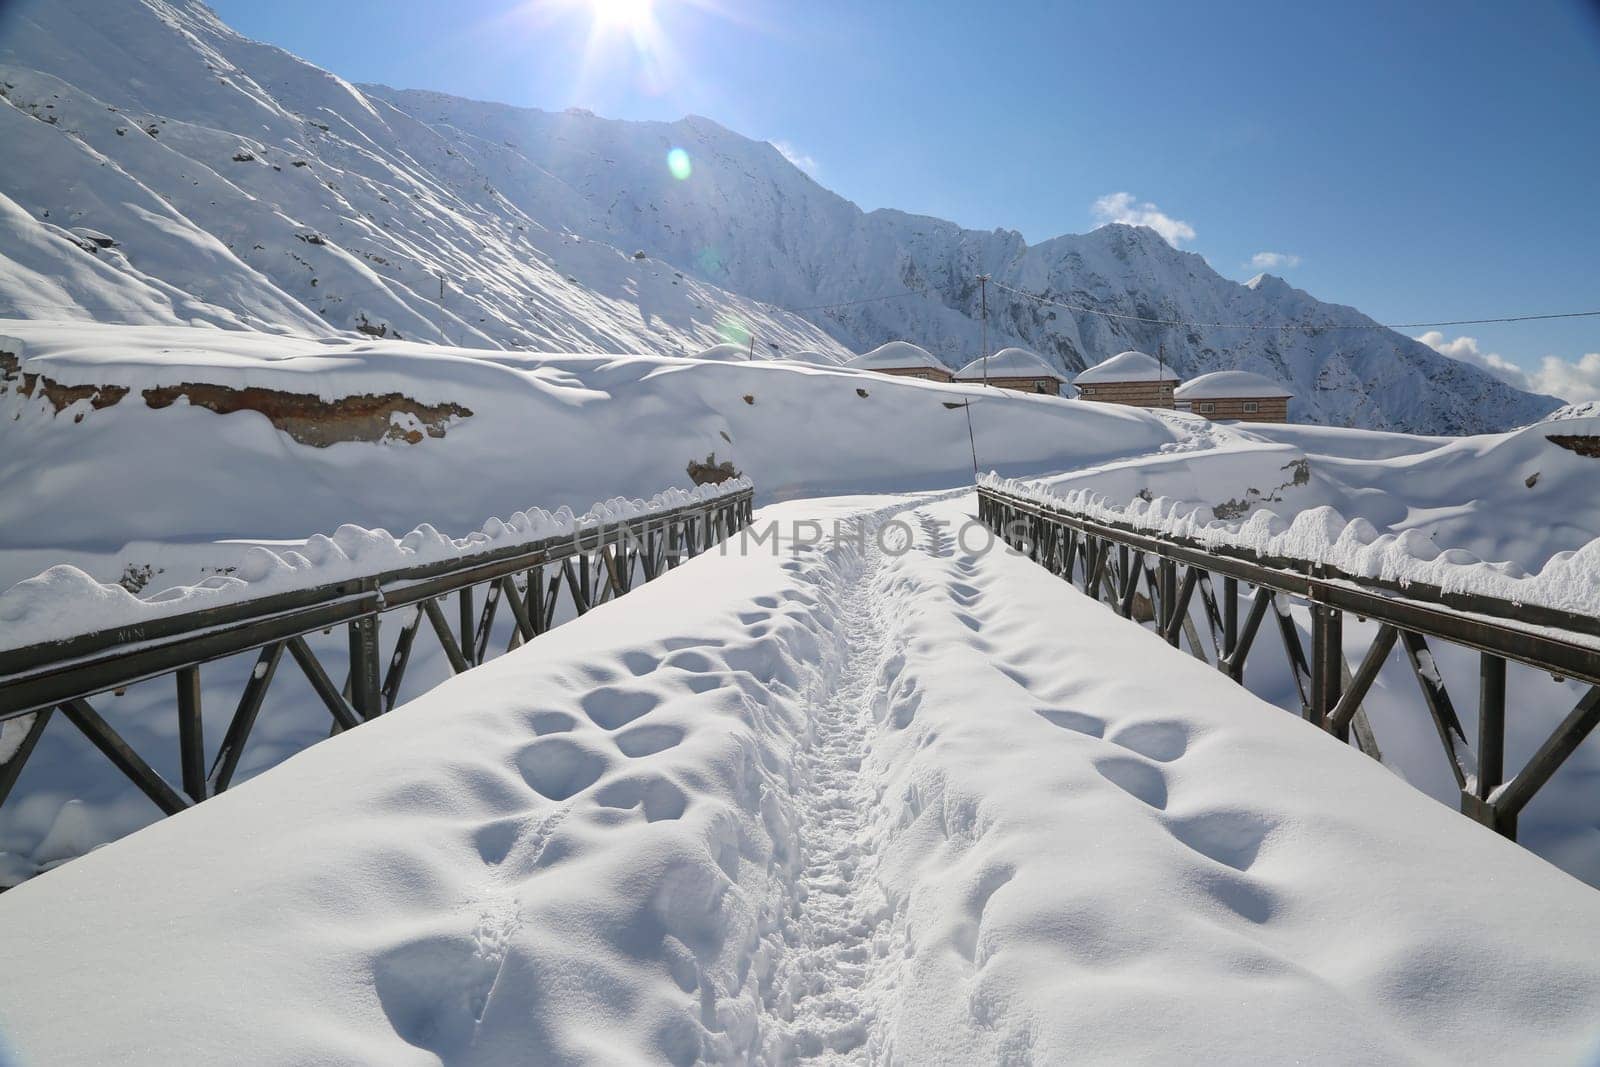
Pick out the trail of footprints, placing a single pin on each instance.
(1232, 838)
(435, 990)
(1134, 763)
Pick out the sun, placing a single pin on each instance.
(622, 14)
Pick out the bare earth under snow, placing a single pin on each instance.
(836, 803)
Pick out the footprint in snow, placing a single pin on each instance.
(1160, 741)
(648, 739)
(1140, 780)
(658, 797)
(1232, 838)
(558, 768)
(611, 707)
(1078, 721)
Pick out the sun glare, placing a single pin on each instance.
(622, 14)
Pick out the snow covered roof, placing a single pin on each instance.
(1010, 363)
(1228, 384)
(1127, 366)
(894, 355)
(809, 355)
(727, 352)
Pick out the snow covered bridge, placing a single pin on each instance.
(843, 801)
(1109, 559)
(102, 639)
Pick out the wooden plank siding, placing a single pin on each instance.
(930, 374)
(1266, 409)
(1137, 394)
(1043, 384)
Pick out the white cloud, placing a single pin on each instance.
(1125, 207)
(1274, 260)
(800, 159)
(1574, 381)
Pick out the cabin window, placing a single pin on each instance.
(1251, 407)
(1207, 408)
(1088, 390)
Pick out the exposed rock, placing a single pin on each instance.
(1300, 474)
(711, 472)
(313, 421)
(306, 417)
(13, 379)
(1582, 444)
(372, 329)
(135, 576)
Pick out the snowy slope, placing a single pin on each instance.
(246, 187)
(835, 806)
(514, 430)
(534, 219)
(808, 246)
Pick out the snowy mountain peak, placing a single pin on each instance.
(246, 188)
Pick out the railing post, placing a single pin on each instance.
(468, 623)
(1327, 658)
(1230, 620)
(191, 736)
(366, 689)
(1491, 748)
(1168, 578)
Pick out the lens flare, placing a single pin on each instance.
(678, 163)
(732, 331)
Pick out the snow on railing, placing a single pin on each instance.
(1568, 581)
(1405, 590)
(65, 601)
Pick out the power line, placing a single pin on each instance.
(1290, 325)
(1085, 309)
(853, 303)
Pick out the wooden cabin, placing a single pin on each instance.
(1014, 368)
(1235, 394)
(1134, 378)
(903, 359)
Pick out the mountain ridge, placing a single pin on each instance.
(274, 195)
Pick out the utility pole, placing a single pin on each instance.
(983, 288)
(443, 329)
(752, 348)
(1161, 380)
(972, 441)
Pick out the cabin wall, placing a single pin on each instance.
(1137, 394)
(1267, 408)
(929, 374)
(1044, 384)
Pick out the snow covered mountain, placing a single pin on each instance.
(245, 187)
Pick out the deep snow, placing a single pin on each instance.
(637, 840)
(115, 493)
(545, 429)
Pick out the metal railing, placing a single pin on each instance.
(595, 564)
(1110, 560)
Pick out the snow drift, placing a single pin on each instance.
(828, 803)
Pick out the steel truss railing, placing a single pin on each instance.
(1109, 561)
(596, 564)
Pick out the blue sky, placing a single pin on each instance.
(1421, 161)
